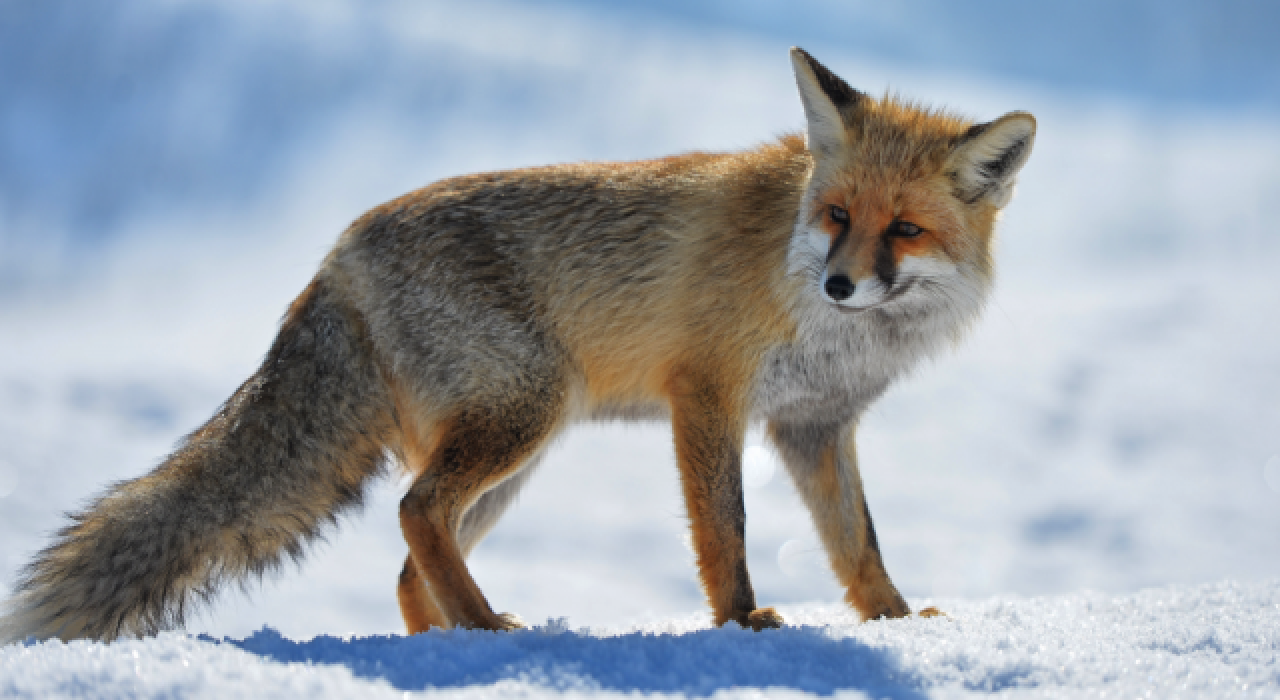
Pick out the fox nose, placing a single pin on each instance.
(839, 287)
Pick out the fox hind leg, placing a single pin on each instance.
(417, 605)
(481, 517)
(474, 452)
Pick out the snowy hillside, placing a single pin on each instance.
(1182, 642)
(173, 172)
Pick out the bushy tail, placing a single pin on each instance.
(289, 450)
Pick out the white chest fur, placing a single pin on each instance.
(833, 371)
(840, 362)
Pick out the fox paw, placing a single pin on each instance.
(931, 612)
(510, 621)
(494, 623)
(764, 618)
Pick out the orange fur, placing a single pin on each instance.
(419, 611)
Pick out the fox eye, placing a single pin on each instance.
(905, 229)
(839, 215)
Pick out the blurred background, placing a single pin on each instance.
(171, 173)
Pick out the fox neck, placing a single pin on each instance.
(838, 363)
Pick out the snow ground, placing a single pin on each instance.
(1218, 640)
(1110, 425)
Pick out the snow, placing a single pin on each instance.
(1109, 426)
(1218, 640)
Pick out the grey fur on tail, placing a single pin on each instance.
(284, 455)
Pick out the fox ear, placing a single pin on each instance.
(986, 161)
(825, 97)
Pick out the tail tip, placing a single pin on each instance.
(19, 623)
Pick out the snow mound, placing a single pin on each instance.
(1215, 640)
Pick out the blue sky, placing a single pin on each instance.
(1165, 53)
(112, 109)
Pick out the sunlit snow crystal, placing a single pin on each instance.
(758, 466)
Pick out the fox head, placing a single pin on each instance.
(900, 208)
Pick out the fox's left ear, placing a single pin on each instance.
(827, 101)
(986, 161)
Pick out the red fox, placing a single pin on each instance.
(461, 327)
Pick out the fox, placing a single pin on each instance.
(457, 330)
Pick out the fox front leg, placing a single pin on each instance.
(708, 441)
(824, 465)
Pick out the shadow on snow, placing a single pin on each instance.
(697, 663)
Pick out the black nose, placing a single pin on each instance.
(839, 287)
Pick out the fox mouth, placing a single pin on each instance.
(889, 299)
